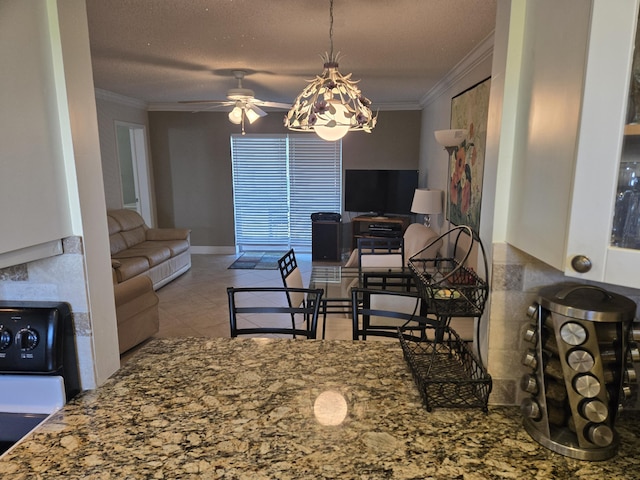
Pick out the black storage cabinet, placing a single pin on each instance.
(326, 236)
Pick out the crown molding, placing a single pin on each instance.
(181, 107)
(121, 99)
(479, 54)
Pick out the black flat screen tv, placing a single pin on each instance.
(379, 192)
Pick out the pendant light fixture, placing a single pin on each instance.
(332, 104)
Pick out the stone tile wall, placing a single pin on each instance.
(62, 279)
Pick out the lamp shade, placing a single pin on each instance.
(253, 112)
(427, 202)
(235, 115)
(450, 138)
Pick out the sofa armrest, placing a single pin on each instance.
(168, 233)
(132, 289)
(115, 264)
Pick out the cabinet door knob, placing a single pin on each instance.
(581, 263)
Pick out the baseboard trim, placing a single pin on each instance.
(209, 250)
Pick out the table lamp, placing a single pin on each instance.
(427, 202)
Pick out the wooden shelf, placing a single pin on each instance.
(632, 129)
(360, 226)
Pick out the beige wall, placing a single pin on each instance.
(192, 164)
(112, 108)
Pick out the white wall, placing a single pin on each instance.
(53, 65)
(33, 180)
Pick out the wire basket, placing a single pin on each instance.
(445, 371)
(448, 286)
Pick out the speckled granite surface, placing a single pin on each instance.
(244, 409)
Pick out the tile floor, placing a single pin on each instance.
(195, 304)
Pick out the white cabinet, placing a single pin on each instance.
(572, 97)
(599, 148)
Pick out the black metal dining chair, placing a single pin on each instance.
(265, 311)
(381, 313)
(380, 252)
(292, 278)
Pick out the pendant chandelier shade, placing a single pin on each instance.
(332, 104)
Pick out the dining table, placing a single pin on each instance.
(258, 408)
(337, 281)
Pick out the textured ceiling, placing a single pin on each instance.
(165, 51)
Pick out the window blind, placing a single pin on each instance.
(315, 183)
(278, 182)
(261, 205)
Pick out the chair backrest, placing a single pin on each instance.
(262, 310)
(291, 277)
(381, 312)
(380, 252)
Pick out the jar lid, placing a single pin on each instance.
(587, 302)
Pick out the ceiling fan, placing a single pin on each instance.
(245, 105)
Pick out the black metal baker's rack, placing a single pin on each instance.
(447, 373)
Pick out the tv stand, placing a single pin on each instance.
(368, 226)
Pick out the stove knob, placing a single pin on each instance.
(633, 353)
(27, 339)
(5, 338)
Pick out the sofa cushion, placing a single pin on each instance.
(117, 243)
(113, 225)
(127, 219)
(130, 267)
(176, 247)
(155, 254)
(134, 237)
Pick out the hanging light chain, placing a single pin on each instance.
(331, 59)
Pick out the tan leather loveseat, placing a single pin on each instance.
(162, 254)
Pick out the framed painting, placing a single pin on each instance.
(469, 111)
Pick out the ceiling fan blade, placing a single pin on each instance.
(219, 102)
(256, 109)
(284, 106)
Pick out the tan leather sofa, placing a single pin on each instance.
(162, 254)
(143, 259)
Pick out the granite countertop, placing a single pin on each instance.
(244, 409)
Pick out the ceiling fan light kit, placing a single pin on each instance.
(332, 104)
(244, 102)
